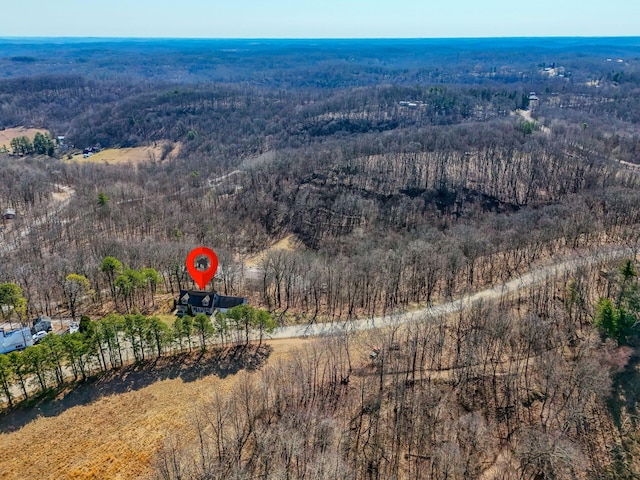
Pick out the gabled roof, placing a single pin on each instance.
(208, 300)
(195, 298)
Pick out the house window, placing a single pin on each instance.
(185, 299)
(205, 301)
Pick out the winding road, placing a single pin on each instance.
(534, 277)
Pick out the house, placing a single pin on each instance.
(62, 142)
(9, 214)
(194, 302)
(87, 152)
(406, 103)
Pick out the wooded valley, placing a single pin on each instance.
(401, 174)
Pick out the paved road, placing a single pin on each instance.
(535, 277)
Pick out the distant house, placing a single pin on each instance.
(61, 142)
(205, 302)
(87, 152)
(9, 214)
(409, 104)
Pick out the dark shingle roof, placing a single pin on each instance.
(229, 302)
(196, 298)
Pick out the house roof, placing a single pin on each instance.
(229, 302)
(197, 298)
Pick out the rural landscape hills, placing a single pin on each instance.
(436, 240)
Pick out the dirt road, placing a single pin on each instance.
(526, 114)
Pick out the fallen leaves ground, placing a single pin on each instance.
(112, 429)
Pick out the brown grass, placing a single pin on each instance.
(9, 134)
(117, 435)
(288, 243)
(127, 155)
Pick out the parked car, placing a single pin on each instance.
(39, 336)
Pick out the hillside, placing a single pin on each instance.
(342, 184)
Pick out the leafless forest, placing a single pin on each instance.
(517, 389)
(406, 176)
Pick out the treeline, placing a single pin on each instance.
(291, 64)
(610, 102)
(347, 171)
(42, 145)
(520, 388)
(117, 340)
(378, 232)
(239, 121)
(24, 183)
(236, 120)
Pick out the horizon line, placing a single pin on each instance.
(505, 37)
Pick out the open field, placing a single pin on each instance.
(128, 155)
(288, 244)
(9, 134)
(111, 428)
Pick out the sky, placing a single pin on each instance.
(319, 18)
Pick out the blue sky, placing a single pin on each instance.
(319, 18)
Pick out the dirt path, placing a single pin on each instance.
(526, 114)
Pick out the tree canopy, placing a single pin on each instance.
(12, 301)
(619, 320)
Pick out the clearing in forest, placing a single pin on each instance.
(9, 134)
(526, 114)
(149, 153)
(112, 428)
(288, 243)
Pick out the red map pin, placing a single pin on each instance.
(202, 263)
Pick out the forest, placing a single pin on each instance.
(403, 174)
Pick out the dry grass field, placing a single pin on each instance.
(128, 155)
(9, 134)
(111, 428)
(288, 243)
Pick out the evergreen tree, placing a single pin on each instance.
(204, 327)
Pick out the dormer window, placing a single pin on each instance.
(185, 299)
(205, 301)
